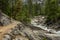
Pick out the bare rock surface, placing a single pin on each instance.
(19, 31)
(4, 19)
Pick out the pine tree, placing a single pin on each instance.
(36, 8)
(51, 10)
(30, 8)
(16, 9)
(4, 5)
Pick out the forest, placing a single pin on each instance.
(23, 11)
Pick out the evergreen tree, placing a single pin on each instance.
(51, 10)
(16, 9)
(36, 8)
(30, 8)
(4, 5)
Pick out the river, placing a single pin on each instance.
(34, 22)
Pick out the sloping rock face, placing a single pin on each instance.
(4, 19)
(24, 32)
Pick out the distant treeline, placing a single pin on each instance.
(23, 12)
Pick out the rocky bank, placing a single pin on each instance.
(23, 32)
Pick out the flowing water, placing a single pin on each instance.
(34, 22)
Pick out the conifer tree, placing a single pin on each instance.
(16, 9)
(30, 8)
(51, 10)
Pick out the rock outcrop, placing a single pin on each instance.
(19, 31)
(22, 32)
(4, 19)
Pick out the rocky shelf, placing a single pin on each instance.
(15, 30)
